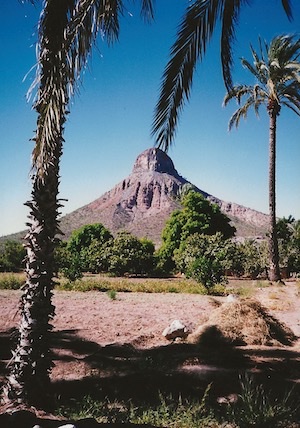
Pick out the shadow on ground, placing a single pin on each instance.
(124, 372)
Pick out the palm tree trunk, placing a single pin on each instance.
(28, 383)
(30, 366)
(274, 270)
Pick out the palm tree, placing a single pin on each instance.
(194, 34)
(277, 72)
(67, 31)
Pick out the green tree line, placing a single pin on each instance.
(196, 241)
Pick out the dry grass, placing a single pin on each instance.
(243, 322)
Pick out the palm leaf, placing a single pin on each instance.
(193, 36)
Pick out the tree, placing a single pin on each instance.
(87, 244)
(11, 256)
(206, 258)
(197, 215)
(276, 70)
(131, 255)
(289, 244)
(194, 34)
(67, 31)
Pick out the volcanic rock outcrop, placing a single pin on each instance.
(143, 201)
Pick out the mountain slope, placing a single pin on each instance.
(143, 201)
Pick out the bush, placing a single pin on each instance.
(204, 258)
(12, 256)
(198, 215)
(130, 255)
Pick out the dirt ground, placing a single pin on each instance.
(118, 344)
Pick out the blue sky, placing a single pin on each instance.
(110, 120)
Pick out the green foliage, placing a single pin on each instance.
(67, 262)
(10, 281)
(204, 258)
(12, 256)
(88, 245)
(112, 294)
(144, 285)
(256, 407)
(254, 257)
(288, 234)
(129, 255)
(197, 215)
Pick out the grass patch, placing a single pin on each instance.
(11, 281)
(144, 285)
(252, 407)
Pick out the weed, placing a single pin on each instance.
(255, 406)
(112, 294)
(10, 281)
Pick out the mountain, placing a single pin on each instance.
(142, 202)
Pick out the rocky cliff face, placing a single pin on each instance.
(143, 201)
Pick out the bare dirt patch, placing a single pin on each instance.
(116, 347)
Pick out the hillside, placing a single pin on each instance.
(142, 202)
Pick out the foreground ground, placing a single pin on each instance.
(114, 347)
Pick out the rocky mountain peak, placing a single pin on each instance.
(142, 202)
(154, 160)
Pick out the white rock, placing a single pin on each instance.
(232, 298)
(175, 329)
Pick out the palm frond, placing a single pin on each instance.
(147, 10)
(240, 113)
(231, 13)
(237, 92)
(287, 8)
(292, 106)
(194, 33)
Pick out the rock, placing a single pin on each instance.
(176, 329)
(231, 298)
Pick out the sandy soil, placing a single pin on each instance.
(95, 336)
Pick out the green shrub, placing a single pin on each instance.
(12, 256)
(9, 281)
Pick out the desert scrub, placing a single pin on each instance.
(11, 281)
(138, 285)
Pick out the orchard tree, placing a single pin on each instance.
(131, 255)
(205, 258)
(87, 245)
(12, 256)
(197, 215)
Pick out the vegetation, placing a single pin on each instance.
(198, 25)
(198, 215)
(276, 69)
(206, 258)
(12, 256)
(128, 254)
(66, 31)
(254, 407)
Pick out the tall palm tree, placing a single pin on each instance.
(194, 34)
(67, 31)
(276, 70)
